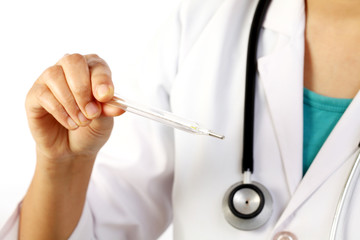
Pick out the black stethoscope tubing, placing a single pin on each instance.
(251, 72)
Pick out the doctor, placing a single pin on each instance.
(197, 70)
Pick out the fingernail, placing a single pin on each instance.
(71, 123)
(82, 118)
(103, 90)
(91, 109)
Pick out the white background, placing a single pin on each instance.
(33, 36)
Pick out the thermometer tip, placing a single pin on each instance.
(216, 135)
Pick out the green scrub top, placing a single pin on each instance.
(321, 114)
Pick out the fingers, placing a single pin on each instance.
(101, 83)
(43, 98)
(73, 90)
(78, 79)
(55, 80)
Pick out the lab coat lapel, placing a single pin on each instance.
(281, 76)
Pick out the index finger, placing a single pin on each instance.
(100, 75)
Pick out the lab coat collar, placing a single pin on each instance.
(283, 16)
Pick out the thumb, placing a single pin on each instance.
(101, 126)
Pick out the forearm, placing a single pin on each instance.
(54, 202)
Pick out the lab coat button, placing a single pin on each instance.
(285, 236)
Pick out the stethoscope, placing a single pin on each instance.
(248, 205)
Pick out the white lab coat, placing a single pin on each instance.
(197, 70)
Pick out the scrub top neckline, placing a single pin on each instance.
(325, 103)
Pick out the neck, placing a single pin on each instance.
(334, 9)
(332, 36)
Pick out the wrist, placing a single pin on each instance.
(56, 197)
(74, 170)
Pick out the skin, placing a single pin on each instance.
(70, 121)
(332, 49)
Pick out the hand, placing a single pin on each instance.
(70, 122)
(66, 111)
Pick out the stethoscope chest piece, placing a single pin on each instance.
(247, 206)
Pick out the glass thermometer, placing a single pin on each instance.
(162, 116)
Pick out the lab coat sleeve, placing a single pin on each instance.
(11, 228)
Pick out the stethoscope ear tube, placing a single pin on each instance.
(343, 200)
